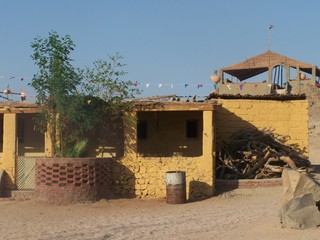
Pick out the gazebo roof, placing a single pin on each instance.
(260, 63)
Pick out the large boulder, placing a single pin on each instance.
(299, 201)
(300, 212)
(298, 183)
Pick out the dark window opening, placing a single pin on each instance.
(20, 130)
(142, 129)
(192, 128)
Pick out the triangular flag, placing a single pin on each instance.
(171, 85)
(200, 85)
(229, 86)
(160, 85)
(186, 85)
(241, 86)
(147, 85)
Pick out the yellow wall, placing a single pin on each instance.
(9, 143)
(167, 134)
(32, 144)
(141, 173)
(140, 176)
(285, 117)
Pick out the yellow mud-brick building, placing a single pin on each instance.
(163, 136)
(182, 136)
(20, 144)
(169, 136)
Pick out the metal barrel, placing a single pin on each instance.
(176, 187)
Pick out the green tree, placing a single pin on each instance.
(74, 101)
(105, 81)
(56, 85)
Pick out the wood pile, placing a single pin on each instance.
(257, 154)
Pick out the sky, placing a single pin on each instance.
(169, 46)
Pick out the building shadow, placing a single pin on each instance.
(122, 181)
(199, 191)
(223, 186)
(6, 184)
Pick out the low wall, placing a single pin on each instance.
(72, 180)
(146, 177)
(226, 185)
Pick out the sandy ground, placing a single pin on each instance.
(240, 214)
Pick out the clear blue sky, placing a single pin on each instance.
(163, 41)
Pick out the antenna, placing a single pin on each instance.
(269, 36)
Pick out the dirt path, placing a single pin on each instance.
(241, 214)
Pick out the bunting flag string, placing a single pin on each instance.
(21, 78)
(23, 95)
(8, 92)
(172, 85)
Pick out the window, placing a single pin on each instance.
(142, 129)
(192, 129)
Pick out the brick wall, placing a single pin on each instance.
(70, 180)
(225, 185)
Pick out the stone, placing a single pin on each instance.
(301, 194)
(145, 192)
(138, 175)
(143, 170)
(296, 183)
(131, 182)
(300, 212)
(141, 181)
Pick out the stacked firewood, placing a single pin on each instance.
(257, 154)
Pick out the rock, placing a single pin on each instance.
(296, 183)
(300, 212)
(299, 201)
